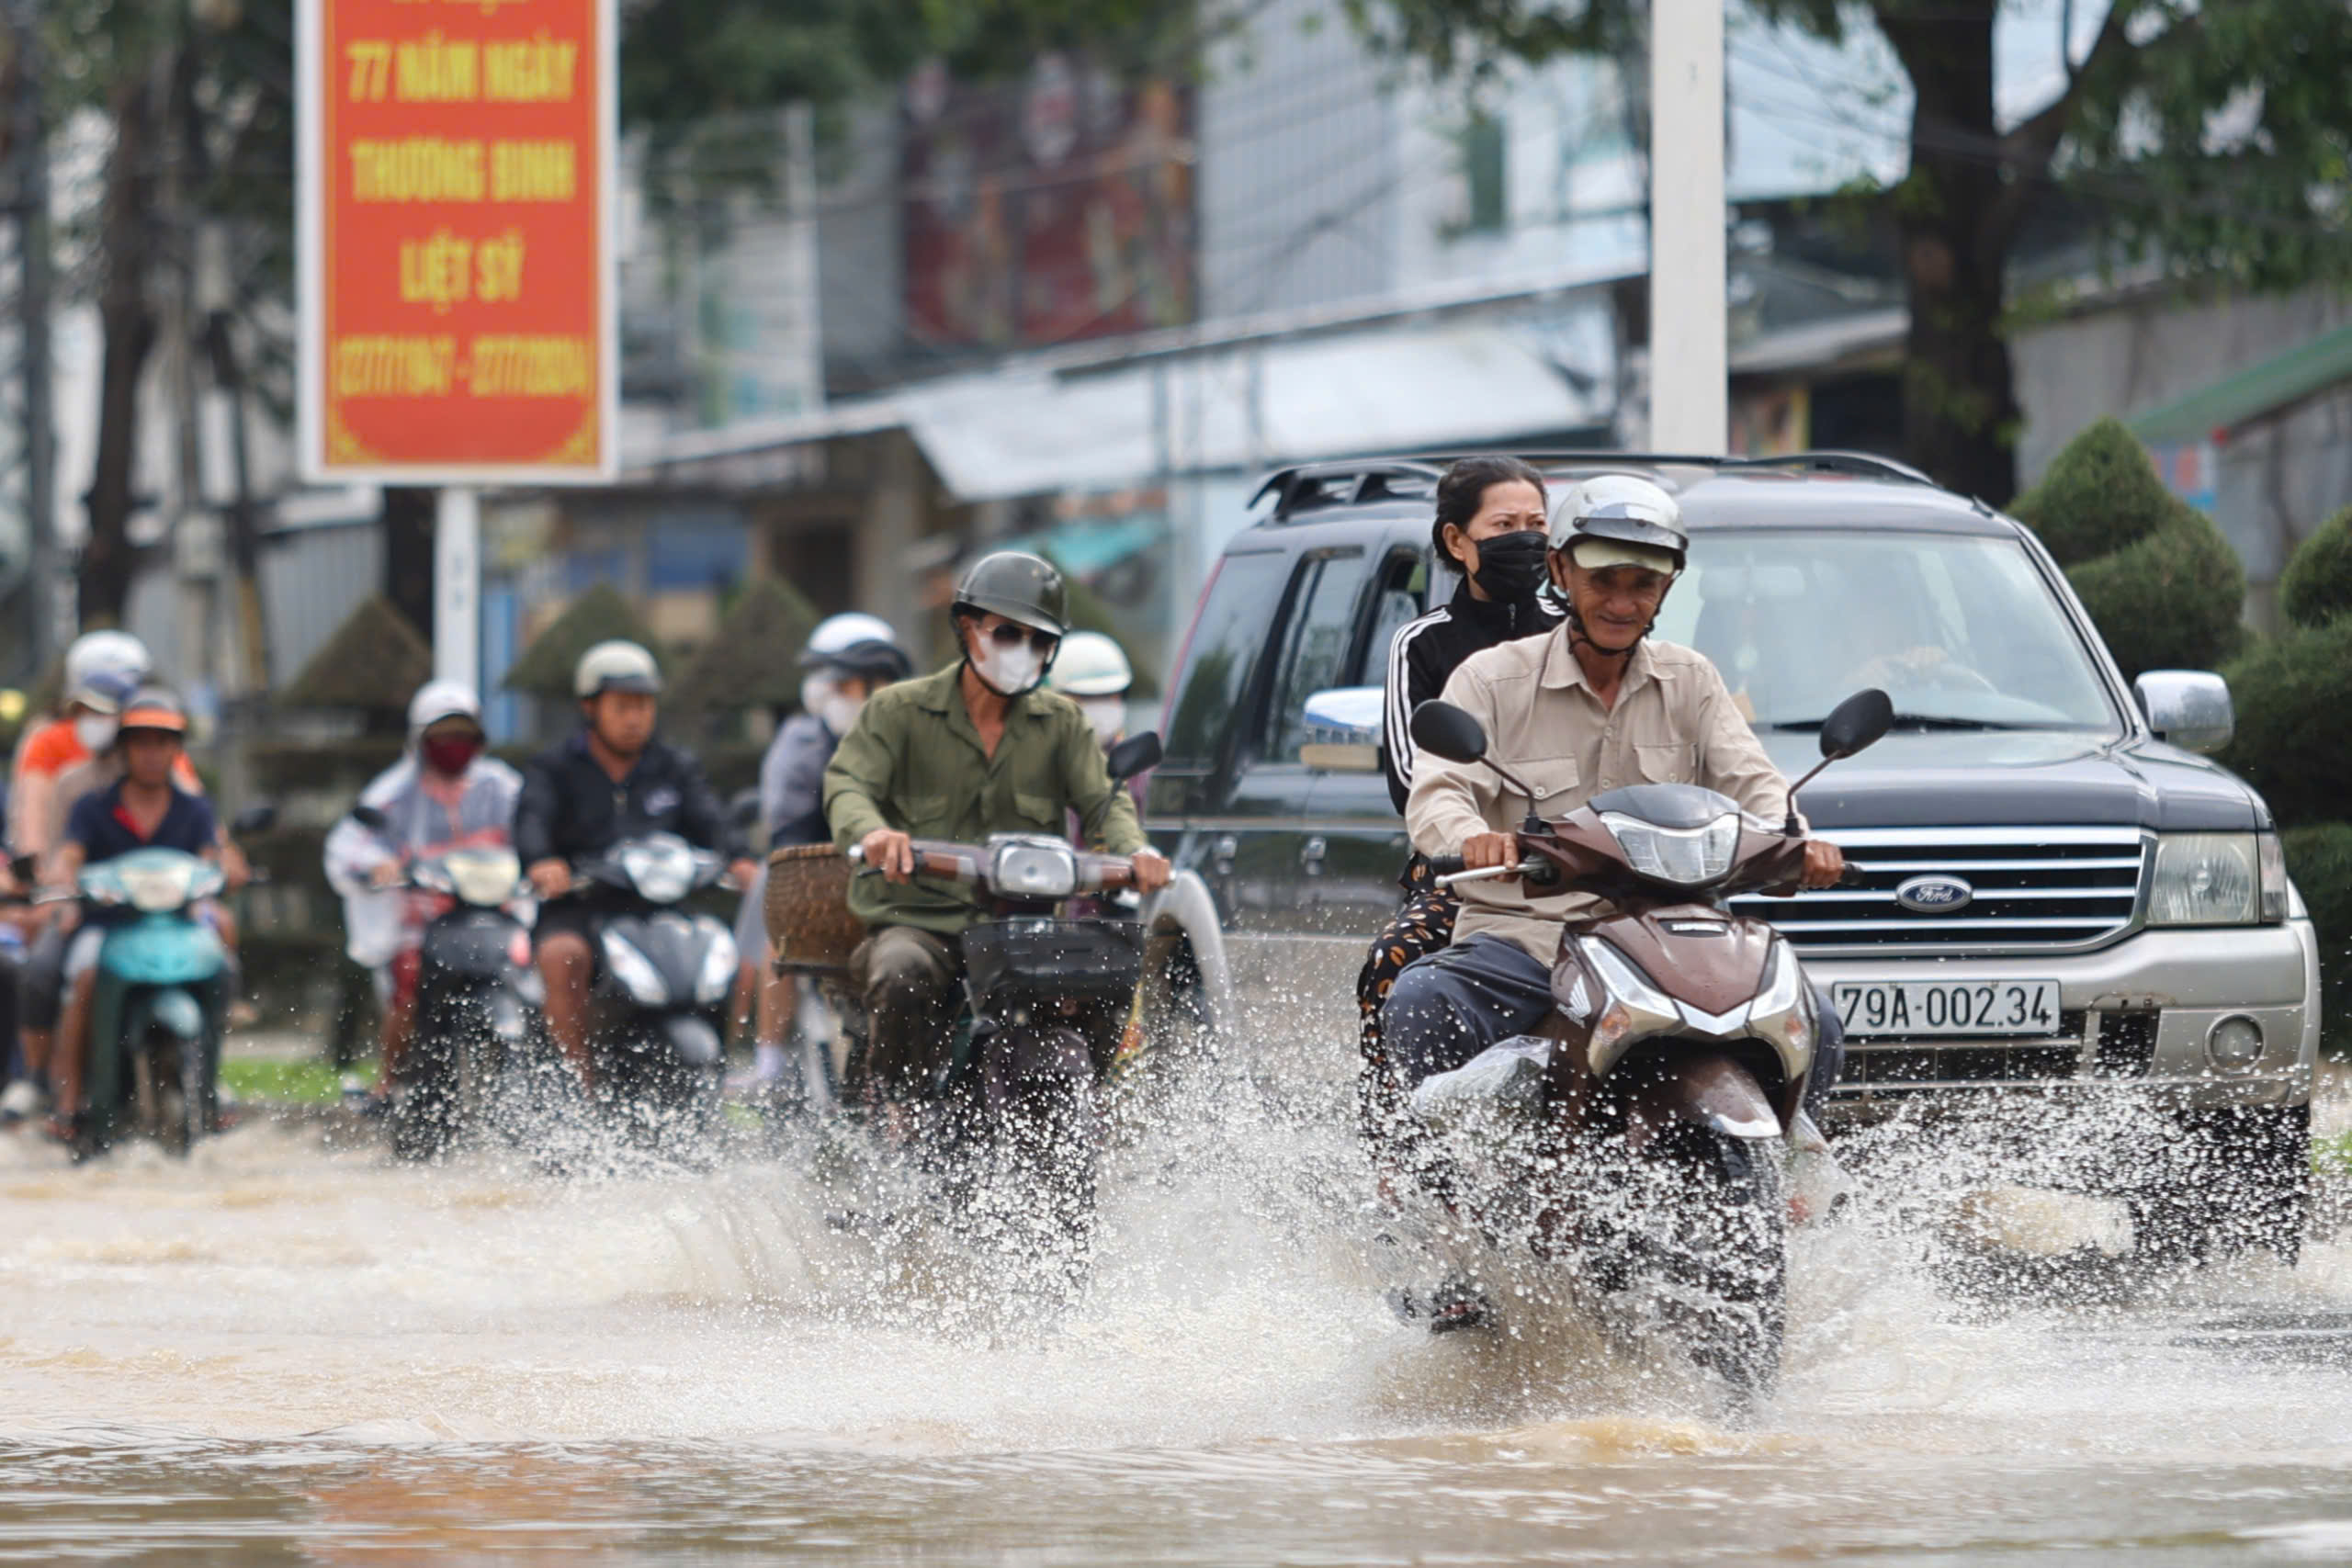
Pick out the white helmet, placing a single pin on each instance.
(616, 666)
(115, 653)
(437, 700)
(838, 634)
(1620, 520)
(1092, 665)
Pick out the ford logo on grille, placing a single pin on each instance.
(1935, 894)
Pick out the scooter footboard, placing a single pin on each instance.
(1707, 1089)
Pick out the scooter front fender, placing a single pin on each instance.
(1706, 1088)
(178, 1012)
(692, 1037)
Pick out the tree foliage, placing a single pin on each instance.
(2209, 139)
(2316, 587)
(2289, 744)
(601, 615)
(2156, 575)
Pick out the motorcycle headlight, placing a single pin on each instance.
(1784, 1014)
(1033, 868)
(1632, 1011)
(661, 871)
(719, 962)
(2208, 879)
(484, 878)
(1688, 857)
(156, 889)
(635, 972)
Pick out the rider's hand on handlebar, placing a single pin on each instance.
(1152, 871)
(1484, 849)
(890, 852)
(1824, 863)
(385, 874)
(234, 867)
(551, 878)
(741, 873)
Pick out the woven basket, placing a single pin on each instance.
(808, 910)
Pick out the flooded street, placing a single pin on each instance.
(284, 1352)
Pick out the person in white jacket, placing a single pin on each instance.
(444, 792)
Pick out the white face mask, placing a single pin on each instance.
(1107, 714)
(1008, 671)
(95, 732)
(835, 709)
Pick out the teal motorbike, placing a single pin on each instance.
(161, 1001)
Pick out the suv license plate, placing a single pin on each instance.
(1915, 1007)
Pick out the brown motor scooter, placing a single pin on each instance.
(1641, 1128)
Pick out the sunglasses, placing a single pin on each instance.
(1008, 635)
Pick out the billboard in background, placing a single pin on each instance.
(456, 170)
(1047, 210)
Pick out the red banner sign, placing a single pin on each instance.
(457, 309)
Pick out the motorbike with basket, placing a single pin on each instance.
(1050, 974)
(1641, 1131)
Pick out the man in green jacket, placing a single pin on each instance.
(977, 748)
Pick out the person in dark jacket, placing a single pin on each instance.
(1491, 523)
(610, 779)
(848, 659)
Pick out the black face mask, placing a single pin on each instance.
(1514, 566)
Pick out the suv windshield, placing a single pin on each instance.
(1960, 630)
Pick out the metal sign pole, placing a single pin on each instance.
(457, 587)
(1689, 359)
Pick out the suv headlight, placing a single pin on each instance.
(635, 972)
(2208, 879)
(1033, 868)
(1688, 857)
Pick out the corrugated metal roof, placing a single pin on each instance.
(2222, 406)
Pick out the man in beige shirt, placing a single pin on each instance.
(1590, 706)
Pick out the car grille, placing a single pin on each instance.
(2033, 889)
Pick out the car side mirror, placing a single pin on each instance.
(1443, 730)
(1136, 755)
(2188, 708)
(1857, 724)
(252, 819)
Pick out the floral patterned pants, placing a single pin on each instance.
(1423, 924)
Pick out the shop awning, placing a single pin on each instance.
(2222, 406)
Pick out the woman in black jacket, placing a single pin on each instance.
(1491, 523)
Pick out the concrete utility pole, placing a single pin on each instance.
(456, 586)
(1689, 359)
(29, 131)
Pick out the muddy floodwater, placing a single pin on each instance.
(286, 1351)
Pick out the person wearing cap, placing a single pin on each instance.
(1595, 704)
(848, 659)
(611, 779)
(977, 748)
(145, 809)
(444, 793)
(1092, 672)
(1490, 524)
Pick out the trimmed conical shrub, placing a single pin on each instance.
(374, 662)
(598, 616)
(2317, 585)
(2163, 585)
(751, 661)
(2293, 744)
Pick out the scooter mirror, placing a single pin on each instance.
(1136, 755)
(1858, 722)
(1443, 730)
(252, 819)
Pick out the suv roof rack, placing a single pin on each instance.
(1311, 486)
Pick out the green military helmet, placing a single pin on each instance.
(1021, 587)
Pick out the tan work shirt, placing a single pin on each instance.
(1675, 722)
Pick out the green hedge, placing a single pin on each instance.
(2316, 587)
(2320, 859)
(2293, 694)
(2164, 586)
